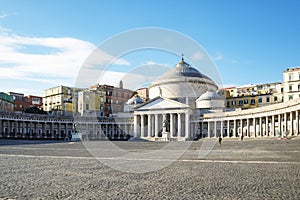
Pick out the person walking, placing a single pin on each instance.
(220, 140)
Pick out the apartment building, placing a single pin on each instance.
(291, 83)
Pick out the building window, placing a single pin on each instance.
(87, 106)
(290, 77)
(233, 103)
(298, 87)
(281, 90)
(290, 88)
(268, 99)
(240, 102)
(246, 101)
(252, 102)
(275, 99)
(227, 103)
(290, 97)
(259, 100)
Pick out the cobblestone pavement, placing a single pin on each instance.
(256, 169)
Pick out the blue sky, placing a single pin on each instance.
(44, 43)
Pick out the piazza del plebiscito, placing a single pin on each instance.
(183, 105)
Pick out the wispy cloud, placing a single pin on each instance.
(218, 57)
(197, 56)
(150, 62)
(4, 15)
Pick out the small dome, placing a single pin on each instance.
(135, 100)
(209, 95)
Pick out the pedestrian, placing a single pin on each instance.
(220, 140)
(242, 137)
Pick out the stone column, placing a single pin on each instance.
(241, 125)
(228, 128)
(163, 120)
(202, 129)
(8, 127)
(44, 129)
(292, 125)
(156, 125)
(254, 127)
(30, 129)
(16, 128)
(59, 129)
(142, 126)
(273, 126)
(234, 128)
(23, 129)
(149, 125)
(297, 122)
(221, 131)
(260, 127)
(187, 126)
(179, 125)
(285, 124)
(126, 130)
(113, 131)
(215, 128)
(267, 126)
(248, 127)
(279, 125)
(208, 129)
(171, 124)
(135, 124)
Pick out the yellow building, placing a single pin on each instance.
(252, 96)
(60, 99)
(91, 101)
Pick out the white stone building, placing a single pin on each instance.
(184, 105)
(174, 98)
(291, 83)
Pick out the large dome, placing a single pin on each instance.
(181, 82)
(182, 69)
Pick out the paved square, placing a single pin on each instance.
(249, 169)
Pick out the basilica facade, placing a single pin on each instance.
(184, 105)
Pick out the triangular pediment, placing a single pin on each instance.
(161, 103)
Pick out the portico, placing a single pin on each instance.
(162, 119)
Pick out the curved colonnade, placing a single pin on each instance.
(277, 120)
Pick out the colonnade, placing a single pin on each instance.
(162, 126)
(279, 120)
(16, 126)
(105, 129)
(29, 126)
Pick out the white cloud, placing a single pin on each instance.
(25, 58)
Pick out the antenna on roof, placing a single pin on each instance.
(182, 59)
